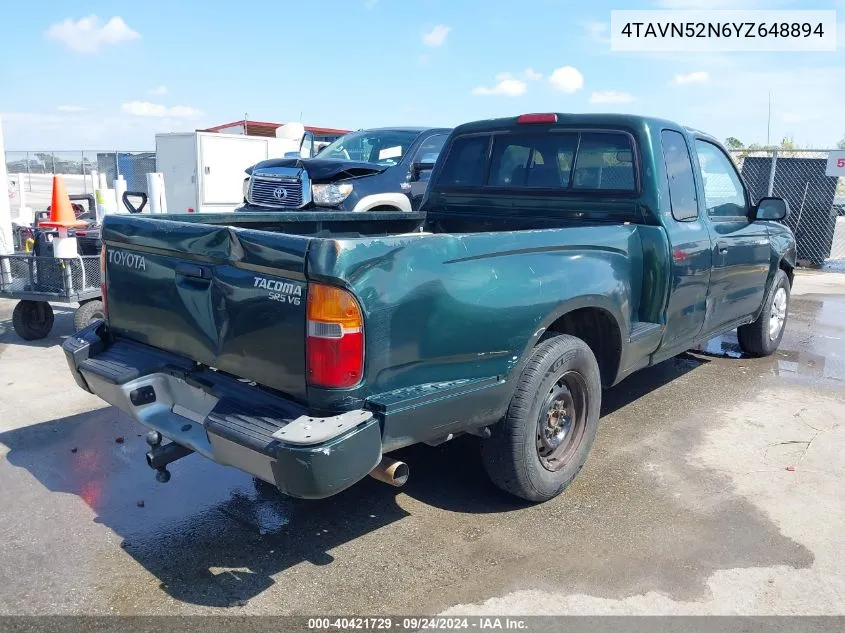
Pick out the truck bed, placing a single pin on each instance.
(233, 298)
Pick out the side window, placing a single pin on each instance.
(605, 161)
(724, 194)
(430, 149)
(541, 161)
(679, 172)
(465, 163)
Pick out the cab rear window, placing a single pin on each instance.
(601, 161)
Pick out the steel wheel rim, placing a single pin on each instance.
(562, 420)
(777, 316)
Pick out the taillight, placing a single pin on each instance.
(546, 117)
(335, 338)
(103, 281)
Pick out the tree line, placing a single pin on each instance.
(787, 143)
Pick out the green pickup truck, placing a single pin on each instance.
(553, 255)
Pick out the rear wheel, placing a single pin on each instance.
(32, 320)
(762, 337)
(87, 313)
(543, 442)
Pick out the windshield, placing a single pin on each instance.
(383, 147)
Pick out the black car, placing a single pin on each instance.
(384, 169)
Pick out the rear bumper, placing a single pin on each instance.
(224, 419)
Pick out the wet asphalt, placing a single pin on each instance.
(668, 501)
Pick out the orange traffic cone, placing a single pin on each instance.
(61, 211)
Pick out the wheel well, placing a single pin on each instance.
(384, 207)
(790, 272)
(599, 330)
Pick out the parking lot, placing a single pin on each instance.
(714, 486)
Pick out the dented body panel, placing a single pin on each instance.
(453, 300)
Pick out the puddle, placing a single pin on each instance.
(813, 344)
(265, 512)
(790, 363)
(724, 346)
(834, 265)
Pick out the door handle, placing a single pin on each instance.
(193, 270)
(723, 250)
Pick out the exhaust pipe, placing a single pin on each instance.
(160, 456)
(391, 471)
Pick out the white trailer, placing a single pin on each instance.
(204, 171)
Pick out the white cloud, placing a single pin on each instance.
(32, 118)
(159, 90)
(532, 75)
(87, 35)
(87, 129)
(795, 90)
(145, 108)
(685, 79)
(71, 108)
(566, 79)
(436, 36)
(611, 96)
(506, 86)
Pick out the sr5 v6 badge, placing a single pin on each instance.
(284, 291)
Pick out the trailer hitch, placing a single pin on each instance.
(160, 455)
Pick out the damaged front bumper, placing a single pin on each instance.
(230, 421)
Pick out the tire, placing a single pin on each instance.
(762, 337)
(32, 320)
(87, 313)
(559, 385)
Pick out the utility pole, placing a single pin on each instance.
(246, 117)
(769, 121)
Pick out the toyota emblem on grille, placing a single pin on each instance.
(280, 193)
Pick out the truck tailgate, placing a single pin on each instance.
(232, 299)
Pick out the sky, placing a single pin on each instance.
(93, 74)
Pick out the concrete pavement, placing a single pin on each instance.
(686, 504)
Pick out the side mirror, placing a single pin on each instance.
(292, 155)
(420, 167)
(771, 209)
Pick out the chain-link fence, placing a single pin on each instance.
(816, 201)
(49, 278)
(36, 170)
